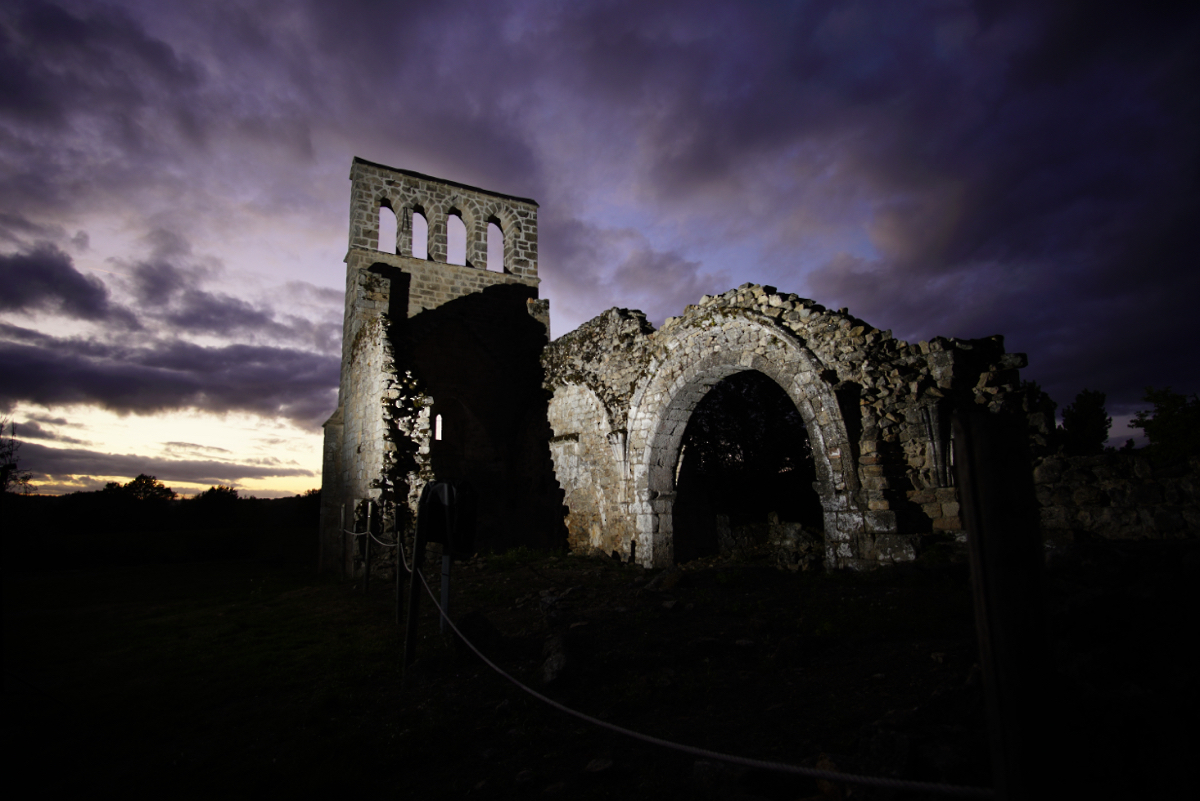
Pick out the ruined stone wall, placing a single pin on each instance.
(588, 460)
(608, 354)
(406, 192)
(365, 353)
(877, 410)
(355, 438)
(425, 340)
(431, 285)
(1117, 496)
(399, 311)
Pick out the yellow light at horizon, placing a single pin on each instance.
(235, 438)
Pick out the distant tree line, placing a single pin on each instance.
(1172, 427)
(144, 521)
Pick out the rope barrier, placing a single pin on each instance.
(403, 555)
(846, 778)
(369, 534)
(381, 542)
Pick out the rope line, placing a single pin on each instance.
(381, 542)
(847, 778)
(403, 555)
(369, 534)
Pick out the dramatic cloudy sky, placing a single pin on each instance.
(174, 193)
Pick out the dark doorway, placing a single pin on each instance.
(745, 454)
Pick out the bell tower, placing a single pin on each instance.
(440, 375)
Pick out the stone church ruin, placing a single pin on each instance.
(448, 374)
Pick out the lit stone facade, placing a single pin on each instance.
(586, 431)
(424, 339)
(876, 410)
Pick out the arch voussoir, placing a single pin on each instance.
(698, 358)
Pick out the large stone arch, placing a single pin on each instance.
(698, 357)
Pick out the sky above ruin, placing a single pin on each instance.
(174, 193)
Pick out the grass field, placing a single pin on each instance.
(251, 678)
(208, 676)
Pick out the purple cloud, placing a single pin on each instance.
(965, 169)
(32, 429)
(45, 279)
(58, 464)
(171, 375)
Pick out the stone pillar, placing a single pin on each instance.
(477, 244)
(523, 241)
(437, 236)
(664, 540)
(509, 232)
(364, 232)
(404, 227)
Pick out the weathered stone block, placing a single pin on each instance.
(1088, 495)
(923, 496)
(1048, 472)
(947, 494)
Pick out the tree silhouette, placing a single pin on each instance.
(1085, 424)
(1173, 428)
(143, 488)
(1040, 408)
(747, 424)
(215, 506)
(11, 477)
(218, 494)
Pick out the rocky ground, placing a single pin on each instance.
(184, 680)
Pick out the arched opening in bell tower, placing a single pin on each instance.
(456, 238)
(495, 246)
(387, 227)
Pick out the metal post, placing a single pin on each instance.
(445, 590)
(367, 552)
(400, 570)
(414, 601)
(991, 459)
(342, 537)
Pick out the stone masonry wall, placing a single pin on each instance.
(432, 284)
(892, 402)
(404, 192)
(585, 462)
(378, 439)
(422, 337)
(1117, 496)
(365, 353)
(609, 355)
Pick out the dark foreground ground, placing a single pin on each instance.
(257, 679)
